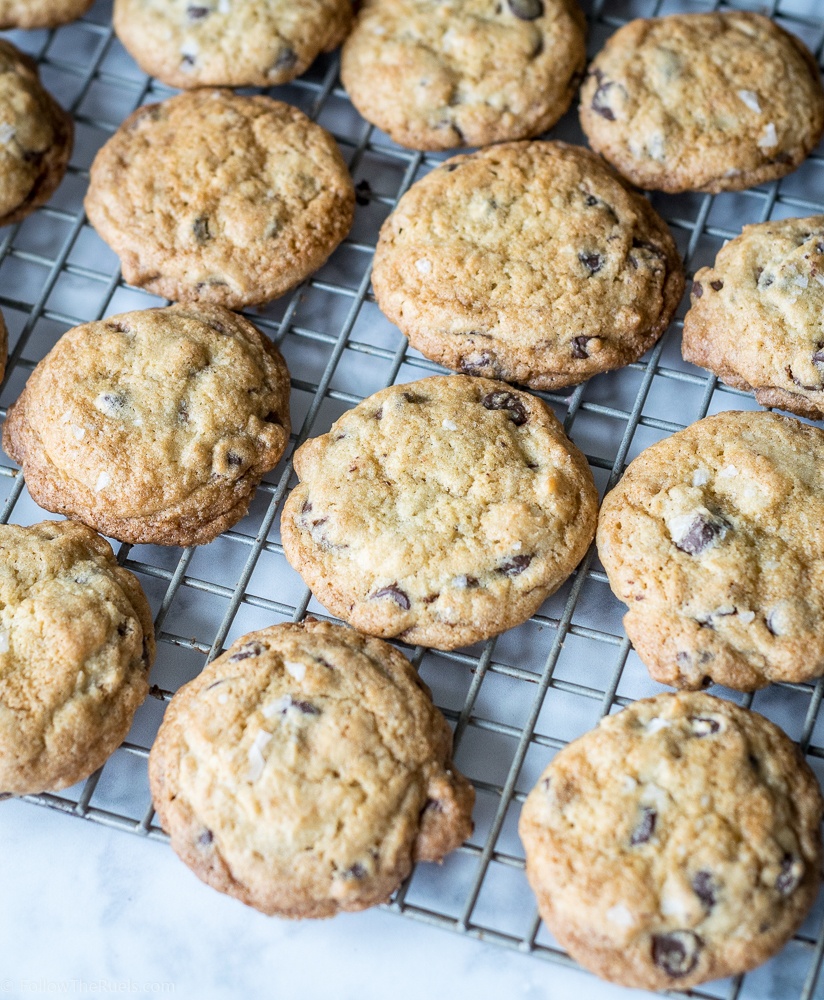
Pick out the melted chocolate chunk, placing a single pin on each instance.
(250, 649)
(196, 13)
(234, 459)
(117, 327)
(645, 827)
(527, 10)
(515, 566)
(697, 289)
(183, 411)
(788, 879)
(600, 99)
(306, 707)
(379, 413)
(593, 262)
(363, 192)
(415, 397)
(716, 286)
(507, 401)
(700, 535)
(480, 364)
(396, 594)
(432, 805)
(703, 885)
(205, 838)
(801, 385)
(200, 227)
(466, 582)
(287, 59)
(705, 727)
(579, 347)
(677, 952)
(356, 871)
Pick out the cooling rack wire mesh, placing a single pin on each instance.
(512, 701)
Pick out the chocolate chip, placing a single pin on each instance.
(307, 506)
(705, 727)
(645, 827)
(480, 364)
(215, 684)
(250, 649)
(788, 878)
(818, 357)
(590, 200)
(363, 192)
(716, 286)
(466, 582)
(306, 707)
(197, 13)
(187, 60)
(579, 347)
(677, 952)
(205, 838)
(593, 262)
(432, 805)
(515, 566)
(114, 402)
(396, 594)
(287, 59)
(507, 401)
(697, 289)
(117, 327)
(801, 385)
(356, 871)
(449, 167)
(379, 413)
(527, 10)
(600, 100)
(183, 412)
(415, 397)
(234, 459)
(703, 885)
(700, 535)
(200, 227)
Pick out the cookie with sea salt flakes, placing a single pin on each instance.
(703, 102)
(531, 262)
(232, 43)
(76, 646)
(36, 137)
(435, 74)
(216, 197)
(305, 770)
(40, 13)
(713, 538)
(755, 317)
(153, 426)
(439, 512)
(676, 843)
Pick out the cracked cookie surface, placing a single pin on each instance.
(440, 512)
(36, 137)
(215, 197)
(40, 13)
(755, 315)
(531, 262)
(713, 539)
(232, 43)
(435, 74)
(76, 646)
(153, 426)
(703, 102)
(305, 770)
(677, 842)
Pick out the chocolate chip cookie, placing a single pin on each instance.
(247, 43)
(439, 512)
(703, 102)
(713, 539)
(435, 74)
(36, 137)
(305, 770)
(76, 646)
(755, 316)
(215, 197)
(153, 426)
(40, 13)
(531, 262)
(676, 843)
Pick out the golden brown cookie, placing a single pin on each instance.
(755, 317)
(305, 770)
(678, 842)
(435, 74)
(40, 13)
(36, 137)
(713, 538)
(76, 646)
(703, 102)
(231, 43)
(440, 512)
(153, 426)
(531, 262)
(215, 197)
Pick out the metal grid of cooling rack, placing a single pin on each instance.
(513, 701)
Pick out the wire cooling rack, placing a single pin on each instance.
(513, 701)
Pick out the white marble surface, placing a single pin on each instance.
(83, 906)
